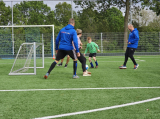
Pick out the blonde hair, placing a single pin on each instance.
(79, 31)
(89, 38)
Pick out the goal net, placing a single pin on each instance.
(29, 57)
(11, 37)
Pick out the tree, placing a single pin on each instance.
(63, 13)
(5, 14)
(94, 20)
(115, 19)
(103, 5)
(87, 20)
(155, 24)
(153, 5)
(34, 13)
(143, 17)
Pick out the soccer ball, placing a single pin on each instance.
(87, 67)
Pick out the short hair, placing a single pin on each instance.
(79, 31)
(89, 38)
(130, 25)
(71, 21)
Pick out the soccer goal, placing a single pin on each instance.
(30, 56)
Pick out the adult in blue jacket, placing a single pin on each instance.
(64, 46)
(132, 46)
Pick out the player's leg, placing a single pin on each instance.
(90, 56)
(82, 59)
(72, 54)
(131, 53)
(126, 56)
(60, 55)
(68, 58)
(94, 58)
(60, 64)
(125, 60)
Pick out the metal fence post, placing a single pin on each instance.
(12, 43)
(42, 38)
(101, 43)
(159, 41)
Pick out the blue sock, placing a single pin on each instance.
(91, 64)
(96, 63)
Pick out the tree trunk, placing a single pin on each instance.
(126, 25)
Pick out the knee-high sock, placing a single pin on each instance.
(96, 63)
(52, 67)
(91, 64)
(74, 67)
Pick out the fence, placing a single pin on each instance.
(109, 43)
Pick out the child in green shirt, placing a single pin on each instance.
(92, 47)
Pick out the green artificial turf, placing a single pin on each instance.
(22, 103)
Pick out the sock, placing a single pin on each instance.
(66, 64)
(75, 67)
(91, 64)
(96, 63)
(52, 67)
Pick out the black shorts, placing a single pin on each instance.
(92, 55)
(62, 53)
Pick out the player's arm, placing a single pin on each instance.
(75, 41)
(97, 47)
(81, 44)
(57, 40)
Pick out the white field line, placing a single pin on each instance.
(100, 109)
(72, 62)
(111, 88)
(99, 61)
(112, 57)
(103, 57)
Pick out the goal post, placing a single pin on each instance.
(28, 56)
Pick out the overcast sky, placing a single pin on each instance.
(50, 3)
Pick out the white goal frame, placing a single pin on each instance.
(34, 58)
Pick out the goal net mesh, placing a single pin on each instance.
(12, 38)
(29, 57)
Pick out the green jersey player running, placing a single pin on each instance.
(92, 47)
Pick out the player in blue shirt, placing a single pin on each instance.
(132, 46)
(64, 46)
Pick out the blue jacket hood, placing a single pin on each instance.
(66, 38)
(69, 26)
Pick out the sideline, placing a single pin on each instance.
(100, 109)
(109, 88)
